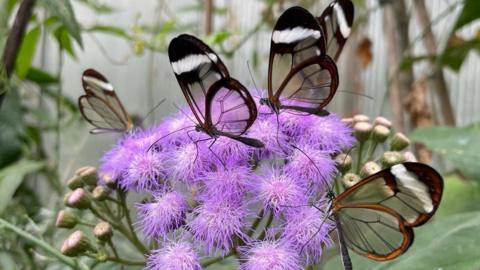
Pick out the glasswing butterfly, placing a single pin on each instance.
(221, 105)
(302, 76)
(100, 105)
(376, 216)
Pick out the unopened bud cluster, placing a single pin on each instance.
(85, 194)
(378, 147)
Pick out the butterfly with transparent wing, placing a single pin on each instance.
(375, 217)
(100, 105)
(302, 75)
(221, 105)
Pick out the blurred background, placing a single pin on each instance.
(415, 62)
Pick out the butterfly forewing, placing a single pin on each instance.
(231, 108)
(336, 22)
(197, 68)
(374, 231)
(100, 106)
(300, 74)
(411, 189)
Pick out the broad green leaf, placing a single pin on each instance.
(460, 146)
(448, 243)
(64, 11)
(454, 57)
(12, 176)
(40, 76)
(470, 13)
(217, 38)
(7, 261)
(63, 39)
(27, 52)
(97, 7)
(409, 61)
(12, 128)
(459, 196)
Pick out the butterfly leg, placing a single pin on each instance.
(215, 154)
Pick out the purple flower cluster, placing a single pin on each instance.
(212, 196)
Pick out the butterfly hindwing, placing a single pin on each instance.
(100, 105)
(383, 208)
(300, 75)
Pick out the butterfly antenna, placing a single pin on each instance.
(153, 109)
(164, 136)
(184, 113)
(253, 80)
(357, 94)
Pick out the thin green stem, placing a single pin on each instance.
(130, 224)
(359, 157)
(125, 262)
(267, 225)
(209, 262)
(371, 150)
(45, 246)
(255, 223)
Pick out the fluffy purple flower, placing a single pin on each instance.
(174, 256)
(178, 129)
(229, 183)
(270, 255)
(265, 130)
(145, 172)
(146, 139)
(115, 161)
(312, 168)
(329, 133)
(231, 151)
(278, 191)
(162, 215)
(188, 162)
(307, 229)
(295, 124)
(217, 222)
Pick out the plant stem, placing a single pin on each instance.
(267, 225)
(359, 157)
(130, 224)
(209, 262)
(125, 262)
(255, 223)
(45, 246)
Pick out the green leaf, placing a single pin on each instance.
(217, 38)
(7, 261)
(27, 52)
(97, 7)
(470, 13)
(63, 38)
(448, 244)
(109, 29)
(64, 11)
(459, 196)
(12, 128)
(460, 146)
(454, 57)
(409, 61)
(12, 176)
(40, 76)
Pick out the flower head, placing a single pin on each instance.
(278, 191)
(231, 151)
(307, 230)
(265, 130)
(115, 161)
(328, 133)
(270, 255)
(231, 183)
(296, 125)
(162, 215)
(174, 256)
(312, 168)
(146, 172)
(216, 224)
(188, 162)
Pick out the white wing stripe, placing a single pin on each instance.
(295, 34)
(191, 62)
(409, 182)
(98, 84)
(342, 21)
